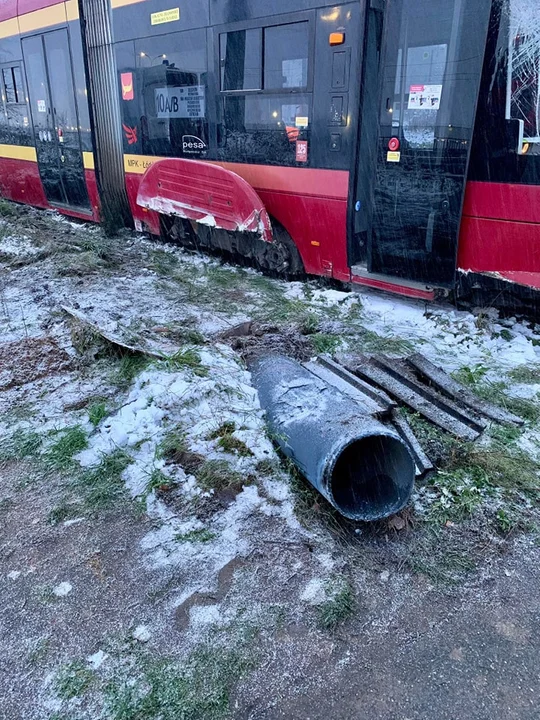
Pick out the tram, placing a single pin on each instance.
(387, 143)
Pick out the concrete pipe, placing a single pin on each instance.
(361, 466)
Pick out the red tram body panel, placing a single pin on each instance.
(397, 144)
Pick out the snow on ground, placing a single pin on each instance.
(129, 300)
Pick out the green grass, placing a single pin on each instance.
(60, 453)
(165, 690)
(371, 342)
(21, 445)
(63, 511)
(202, 535)
(234, 446)
(129, 366)
(7, 209)
(159, 481)
(73, 681)
(102, 486)
(97, 412)
(324, 343)
(444, 560)
(218, 475)
(226, 428)
(525, 374)
(497, 392)
(188, 359)
(173, 444)
(339, 607)
(163, 262)
(228, 442)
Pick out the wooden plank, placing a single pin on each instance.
(453, 389)
(401, 389)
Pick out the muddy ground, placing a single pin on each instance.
(158, 560)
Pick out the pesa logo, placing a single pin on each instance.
(193, 144)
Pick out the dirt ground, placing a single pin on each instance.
(157, 559)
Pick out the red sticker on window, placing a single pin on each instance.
(127, 86)
(130, 133)
(301, 150)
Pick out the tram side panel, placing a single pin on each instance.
(22, 175)
(269, 98)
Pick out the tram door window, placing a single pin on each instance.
(432, 68)
(265, 94)
(54, 117)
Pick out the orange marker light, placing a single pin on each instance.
(337, 38)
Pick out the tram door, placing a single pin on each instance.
(430, 67)
(47, 60)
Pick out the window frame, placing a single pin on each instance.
(272, 21)
(10, 66)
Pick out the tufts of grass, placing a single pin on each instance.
(525, 374)
(231, 444)
(159, 481)
(97, 412)
(173, 445)
(370, 342)
(7, 209)
(129, 366)
(60, 454)
(267, 467)
(339, 606)
(61, 512)
(202, 535)
(163, 262)
(187, 359)
(228, 442)
(197, 690)
(21, 445)
(102, 486)
(496, 392)
(325, 343)
(444, 562)
(73, 681)
(226, 428)
(218, 475)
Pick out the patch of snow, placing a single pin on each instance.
(63, 589)
(142, 633)
(74, 521)
(97, 659)
(14, 574)
(204, 615)
(314, 593)
(17, 246)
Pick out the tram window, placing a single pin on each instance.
(419, 83)
(286, 51)
(241, 60)
(12, 85)
(165, 108)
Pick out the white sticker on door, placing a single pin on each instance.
(425, 97)
(41, 106)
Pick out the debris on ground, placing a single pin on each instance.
(204, 573)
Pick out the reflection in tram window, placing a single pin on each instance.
(14, 122)
(286, 56)
(260, 123)
(166, 106)
(241, 60)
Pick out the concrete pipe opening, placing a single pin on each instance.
(372, 478)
